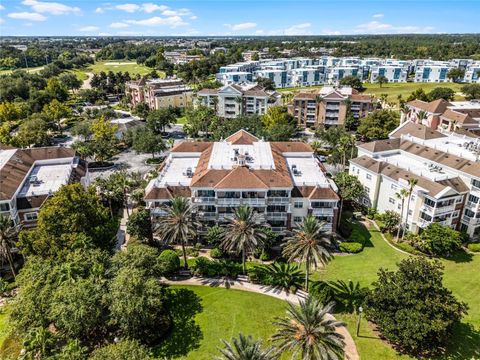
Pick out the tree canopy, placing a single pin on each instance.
(378, 124)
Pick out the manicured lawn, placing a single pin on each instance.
(3, 325)
(120, 65)
(30, 70)
(405, 89)
(225, 314)
(461, 275)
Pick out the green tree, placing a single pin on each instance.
(144, 140)
(378, 124)
(444, 93)
(82, 129)
(390, 220)
(310, 244)
(70, 80)
(286, 275)
(142, 110)
(56, 111)
(245, 348)
(382, 80)
(471, 91)
(71, 218)
(104, 140)
(9, 111)
(411, 186)
(8, 237)
(349, 294)
(412, 309)
(350, 188)
(158, 120)
(243, 233)
(440, 240)
(401, 195)
(123, 350)
(456, 74)
(56, 89)
(33, 132)
(139, 225)
(418, 94)
(199, 120)
(267, 83)
(353, 81)
(178, 226)
(309, 333)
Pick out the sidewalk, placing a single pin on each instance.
(351, 352)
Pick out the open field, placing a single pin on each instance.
(30, 70)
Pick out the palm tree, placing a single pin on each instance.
(178, 226)
(286, 275)
(239, 101)
(401, 195)
(421, 115)
(8, 236)
(315, 145)
(349, 294)
(411, 184)
(405, 111)
(309, 243)
(243, 233)
(245, 348)
(309, 332)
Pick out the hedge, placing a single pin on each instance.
(351, 247)
(216, 268)
(169, 262)
(475, 247)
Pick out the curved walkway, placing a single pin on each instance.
(350, 349)
(384, 239)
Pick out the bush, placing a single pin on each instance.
(357, 236)
(169, 262)
(193, 251)
(285, 275)
(475, 247)
(265, 255)
(216, 268)
(440, 240)
(346, 228)
(213, 236)
(216, 253)
(351, 247)
(371, 213)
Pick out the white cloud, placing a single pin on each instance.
(89, 28)
(299, 29)
(53, 8)
(331, 32)
(99, 10)
(379, 15)
(1, 21)
(27, 16)
(119, 25)
(377, 27)
(131, 8)
(179, 12)
(2, 7)
(241, 26)
(104, 34)
(172, 21)
(150, 7)
(259, 32)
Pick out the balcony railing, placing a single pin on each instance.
(278, 200)
(254, 201)
(322, 211)
(472, 205)
(277, 216)
(278, 229)
(229, 201)
(208, 215)
(204, 200)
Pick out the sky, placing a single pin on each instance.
(231, 17)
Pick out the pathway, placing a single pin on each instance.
(86, 82)
(384, 239)
(350, 349)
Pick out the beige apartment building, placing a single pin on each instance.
(159, 93)
(329, 106)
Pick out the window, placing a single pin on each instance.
(410, 212)
(4, 207)
(297, 219)
(393, 187)
(367, 189)
(459, 200)
(456, 214)
(413, 197)
(399, 206)
(369, 177)
(298, 204)
(31, 216)
(391, 200)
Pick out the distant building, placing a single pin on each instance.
(29, 176)
(329, 106)
(233, 100)
(393, 73)
(282, 181)
(159, 93)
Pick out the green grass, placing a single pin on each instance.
(30, 69)
(461, 275)
(3, 325)
(109, 65)
(405, 89)
(226, 313)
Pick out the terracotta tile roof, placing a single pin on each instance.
(458, 117)
(291, 146)
(191, 146)
(381, 145)
(416, 130)
(435, 107)
(305, 96)
(208, 92)
(32, 202)
(358, 97)
(302, 191)
(168, 192)
(242, 137)
(323, 193)
(241, 177)
(370, 164)
(13, 172)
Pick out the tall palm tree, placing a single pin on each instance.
(421, 115)
(309, 333)
(178, 226)
(309, 243)
(411, 185)
(245, 348)
(239, 101)
(401, 195)
(243, 233)
(8, 236)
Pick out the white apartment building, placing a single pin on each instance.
(335, 74)
(234, 100)
(308, 76)
(432, 73)
(29, 176)
(280, 77)
(393, 73)
(234, 77)
(282, 181)
(447, 170)
(472, 73)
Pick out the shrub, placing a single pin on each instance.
(322, 291)
(371, 213)
(213, 236)
(265, 255)
(193, 251)
(351, 247)
(474, 247)
(345, 228)
(169, 262)
(286, 275)
(216, 268)
(216, 253)
(440, 240)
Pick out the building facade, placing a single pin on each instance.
(29, 176)
(282, 181)
(234, 100)
(446, 168)
(329, 106)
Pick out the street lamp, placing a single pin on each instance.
(360, 310)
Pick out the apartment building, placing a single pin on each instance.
(280, 77)
(329, 106)
(432, 73)
(472, 73)
(159, 93)
(233, 100)
(29, 176)
(442, 114)
(234, 77)
(391, 72)
(445, 166)
(282, 181)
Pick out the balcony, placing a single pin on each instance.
(333, 107)
(253, 201)
(278, 200)
(206, 215)
(204, 200)
(229, 201)
(157, 211)
(278, 229)
(472, 206)
(277, 216)
(322, 211)
(471, 220)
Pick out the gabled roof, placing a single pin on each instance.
(381, 145)
(242, 137)
(334, 95)
(241, 177)
(314, 193)
(191, 146)
(416, 130)
(458, 117)
(168, 192)
(435, 107)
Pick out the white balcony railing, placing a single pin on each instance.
(254, 201)
(228, 201)
(204, 200)
(278, 200)
(322, 211)
(277, 216)
(208, 215)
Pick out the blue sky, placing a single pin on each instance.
(230, 17)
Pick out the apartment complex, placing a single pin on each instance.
(329, 106)
(29, 176)
(233, 100)
(442, 114)
(282, 181)
(445, 166)
(159, 93)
